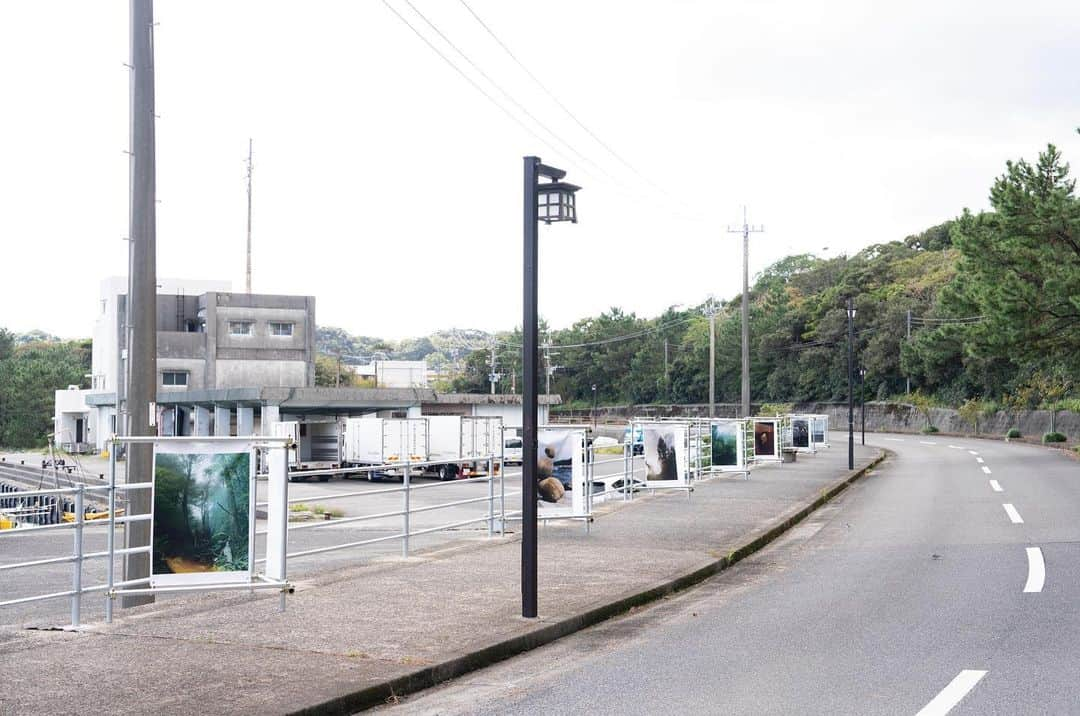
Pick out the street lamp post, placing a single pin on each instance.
(862, 402)
(548, 202)
(851, 383)
(594, 407)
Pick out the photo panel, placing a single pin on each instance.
(800, 433)
(202, 526)
(560, 472)
(726, 448)
(666, 459)
(766, 440)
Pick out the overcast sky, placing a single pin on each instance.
(390, 188)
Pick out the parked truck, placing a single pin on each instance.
(384, 441)
(459, 446)
(315, 446)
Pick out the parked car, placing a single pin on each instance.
(512, 450)
(639, 439)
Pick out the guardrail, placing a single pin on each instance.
(406, 489)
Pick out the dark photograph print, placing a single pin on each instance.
(800, 432)
(554, 464)
(819, 430)
(724, 445)
(201, 512)
(660, 454)
(765, 439)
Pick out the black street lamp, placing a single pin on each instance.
(594, 407)
(851, 383)
(548, 202)
(862, 402)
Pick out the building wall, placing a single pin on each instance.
(259, 373)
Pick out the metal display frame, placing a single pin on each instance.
(685, 479)
(823, 420)
(779, 425)
(811, 446)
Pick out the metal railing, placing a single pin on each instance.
(407, 470)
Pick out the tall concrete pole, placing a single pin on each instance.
(250, 169)
(712, 358)
(529, 401)
(746, 230)
(142, 288)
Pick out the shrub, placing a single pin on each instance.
(1013, 433)
(930, 430)
(1053, 438)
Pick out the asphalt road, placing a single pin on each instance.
(919, 590)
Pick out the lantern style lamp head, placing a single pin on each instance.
(851, 311)
(556, 202)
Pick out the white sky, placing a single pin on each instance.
(390, 189)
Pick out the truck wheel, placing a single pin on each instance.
(324, 478)
(444, 473)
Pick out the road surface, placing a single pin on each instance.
(944, 582)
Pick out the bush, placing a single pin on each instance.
(930, 430)
(1013, 433)
(1053, 438)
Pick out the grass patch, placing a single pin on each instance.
(609, 450)
(930, 430)
(298, 507)
(317, 509)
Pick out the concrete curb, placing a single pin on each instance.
(378, 694)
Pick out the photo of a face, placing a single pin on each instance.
(724, 445)
(765, 439)
(800, 432)
(660, 461)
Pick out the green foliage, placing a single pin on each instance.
(1012, 433)
(775, 409)
(930, 430)
(329, 372)
(30, 373)
(923, 403)
(1053, 438)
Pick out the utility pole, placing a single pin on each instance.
(667, 371)
(746, 230)
(909, 341)
(547, 368)
(250, 169)
(710, 311)
(337, 374)
(142, 289)
(493, 377)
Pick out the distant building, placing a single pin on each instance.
(394, 373)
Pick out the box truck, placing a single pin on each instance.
(315, 446)
(457, 443)
(385, 441)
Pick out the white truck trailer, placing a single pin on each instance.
(460, 445)
(384, 441)
(315, 446)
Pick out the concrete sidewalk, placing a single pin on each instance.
(352, 637)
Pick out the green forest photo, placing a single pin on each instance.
(724, 445)
(201, 512)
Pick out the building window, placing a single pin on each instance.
(279, 328)
(174, 377)
(241, 328)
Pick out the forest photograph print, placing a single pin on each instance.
(201, 512)
(724, 445)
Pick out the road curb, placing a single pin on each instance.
(379, 694)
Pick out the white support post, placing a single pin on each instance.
(405, 514)
(268, 415)
(202, 420)
(491, 496)
(245, 420)
(76, 566)
(222, 420)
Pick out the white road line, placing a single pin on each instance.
(1013, 514)
(1036, 570)
(995, 486)
(986, 469)
(979, 460)
(952, 694)
(956, 447)
(973, 452)
(895, 440)
(926, 442)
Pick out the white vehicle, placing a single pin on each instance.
(315, 446)
(464, 443)
(385, 441)
(512, 450)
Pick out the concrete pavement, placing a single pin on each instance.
(351, 636)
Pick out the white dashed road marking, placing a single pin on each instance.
(952, 694)
(986, 469)
(995, 486)
(1014, 516)
(956, 447)
(979, 460)
(973, 452)
(1036, 570)
(926, 442)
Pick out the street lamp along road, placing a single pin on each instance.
(548, 202)
(851, 382)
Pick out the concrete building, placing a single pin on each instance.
(394, 373)
(234, 364)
